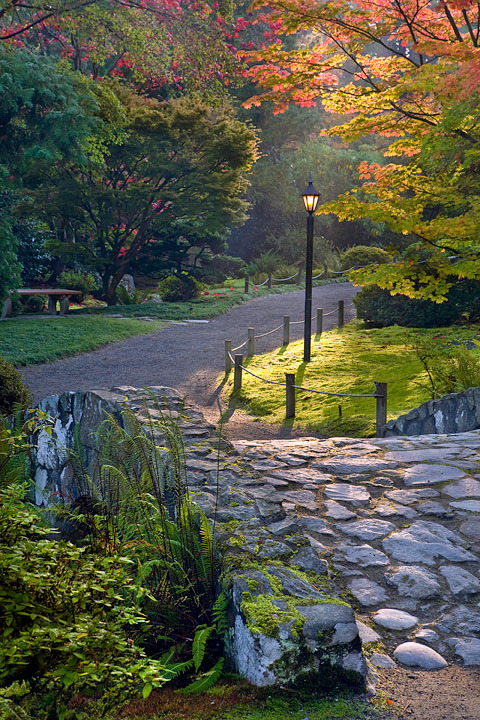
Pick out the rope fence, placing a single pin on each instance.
(235, 361)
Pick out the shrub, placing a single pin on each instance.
(378, 308)
(451, 368)
(73, 280)
(179, 288)
(12, 390)
(217, 268)
(361, 255)
(33, 303)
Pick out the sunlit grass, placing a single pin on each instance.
(346, 362)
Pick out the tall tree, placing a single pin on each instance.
(408, 71)
(172, 170)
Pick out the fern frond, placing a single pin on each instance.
(206, 680)
(202, 633)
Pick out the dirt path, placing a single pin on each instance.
(191, 357)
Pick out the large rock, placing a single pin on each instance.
(284, 628)
(418, 655)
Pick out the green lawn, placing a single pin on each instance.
(347, 361)
(26, 341)
(218, 301)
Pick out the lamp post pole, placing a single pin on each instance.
(307, 337)
(310, 200)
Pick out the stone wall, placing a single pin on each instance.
(454, 413)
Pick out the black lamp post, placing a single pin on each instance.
(310, 200)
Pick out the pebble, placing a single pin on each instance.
(394, 619)
(427, 635)
(418, 655)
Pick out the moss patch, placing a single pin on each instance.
(346, 361)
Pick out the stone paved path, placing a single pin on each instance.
(396, 519)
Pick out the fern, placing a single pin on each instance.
(219, 614)
(206, 680)
(202, 633)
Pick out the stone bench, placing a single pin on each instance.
(53, 294)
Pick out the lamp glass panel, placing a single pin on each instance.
(310, 202)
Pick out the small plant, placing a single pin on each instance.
(179, 288)
(451, 368)
(361, 255)
(12, 390)
(134, 298)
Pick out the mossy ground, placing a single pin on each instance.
(345, 361)
(236, 700)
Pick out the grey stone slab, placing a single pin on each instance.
(424, 542)
(421, 455)
(467, 505)
(408, 497)
(276, 482)
(307, 559)
(462, 620)
(430, 474)
(294, 585)
(366, 633)
(344, 633)
(460, 580)
(315, 524)
(418, 655)
(465, 488)
(347, 493)
(367, 592)
(261, 465)
(302, 498)
(471, 528)
(337, 511)
(365, 556)
(316, 544)
(325, 617)
(302, 475)
(382, 661)
(393, 619)
(288, 526)
(348, 465)
(427, 635)
(413, 581)
(469, 650)
(368, 529)
(430, 507)
(391, 509)
(293, 460)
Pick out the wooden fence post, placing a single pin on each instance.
(269, 281)
(246, 285)
(251, 342)
(290, 395)
(237, 373)
(299, 276)
(228, 353)
(340, 313)
(319, 321)
(286, 329)
(381, 406)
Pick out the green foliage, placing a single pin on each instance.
(65, 626)
(378, 308)
(169, 180)
(360, 255)
(33, 303)
(450, 368)
(12, 390)
(75, 280)
(134, 298)
(179, 288)
(36, 262)
(136, 503)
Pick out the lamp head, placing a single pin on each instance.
(310, 197)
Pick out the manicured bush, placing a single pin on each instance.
(12, 389)
(73, 280)
(361, 255)
(378, 308)
(33, 303)
(178, 288)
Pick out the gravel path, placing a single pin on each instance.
(190, 357)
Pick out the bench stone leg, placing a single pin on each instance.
(64, 305)
(52, 305)
(7, 308)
